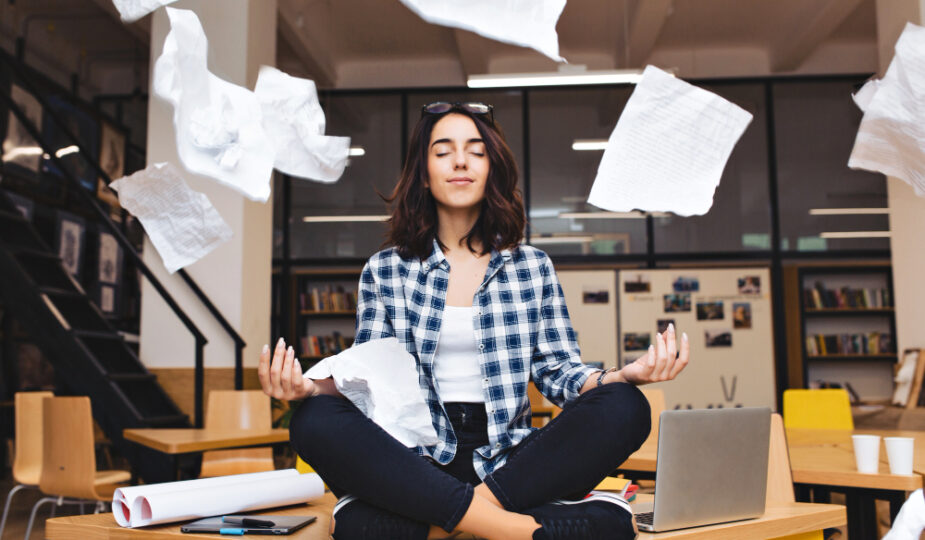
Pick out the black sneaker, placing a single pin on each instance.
(600, 515)
(358, 520)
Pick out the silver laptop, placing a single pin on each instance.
(712, 468)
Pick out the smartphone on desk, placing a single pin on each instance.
(238, 525)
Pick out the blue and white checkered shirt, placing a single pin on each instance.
(521, 326)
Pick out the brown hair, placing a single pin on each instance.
(413, 224)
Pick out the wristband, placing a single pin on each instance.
(604, 372)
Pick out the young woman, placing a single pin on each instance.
(483, 315)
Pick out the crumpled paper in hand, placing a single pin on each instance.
(527, 23)
(380, 377)
(182, 223)
(294, 122)
(218, 124)
(132, 10)
(891, 138)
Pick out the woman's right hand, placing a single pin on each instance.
(282, 378)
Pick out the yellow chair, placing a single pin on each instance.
(656, 399)
(27, 463)
(827, 408)
(237, 409)
(69, 474)
(302, 467)
(541, 409)
(780, 477)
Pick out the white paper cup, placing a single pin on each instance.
(899, 452)
(867, 453)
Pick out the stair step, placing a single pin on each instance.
(155, 421)
(131, 377)
(55, 291)
(36, 254)
(97, 334)
(7, 215)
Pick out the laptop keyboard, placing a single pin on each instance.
(644, 518)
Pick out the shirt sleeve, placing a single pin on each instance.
(373, 320)
(556, 366)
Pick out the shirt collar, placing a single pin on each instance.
(437, 258)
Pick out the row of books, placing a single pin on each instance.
(869, 343)
(328, 299)
(325, 345)
(846, 298)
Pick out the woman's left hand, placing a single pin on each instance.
(662, 362)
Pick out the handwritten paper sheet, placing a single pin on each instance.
(380, 377)
(294, 122)
(218, 125)
(669, 148)
(132, 10)
(182, 223)
(527, 23)
(891, 138)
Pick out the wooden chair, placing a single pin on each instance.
(237, 409)
(27, 463)
(542, 410)
(656, 398)
(69, 474)
(825, 408)
(780, 477)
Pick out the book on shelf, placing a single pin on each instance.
(820, 297)
(328, 298)
(314, 345)
(869, 343)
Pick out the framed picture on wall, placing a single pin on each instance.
(108, 295)
(20, 150)
(112, 160)
(110, 260)
(70, 232)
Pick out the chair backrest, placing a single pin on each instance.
(27, 464)
(780, 478)
(826, 408)
(656, 398)
(68, 455)
(238, 409)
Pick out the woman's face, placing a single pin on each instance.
(457, 164)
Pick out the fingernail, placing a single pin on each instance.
(651, 355)
(658, 335)
(684, 336)
(671, 327)
(281, 342)
(266, 348)
(291, 350)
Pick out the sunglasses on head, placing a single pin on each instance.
(471, 107)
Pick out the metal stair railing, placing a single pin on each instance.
(124, 242)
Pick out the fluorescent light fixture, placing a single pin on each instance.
(856, 234)
(615, 76)
(21, 151)
(356, 151)
(343, 219)
(610, 215)
(67, 150)
(847, 211)
(539, 240)
(589, 144)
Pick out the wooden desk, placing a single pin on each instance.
(186, 441)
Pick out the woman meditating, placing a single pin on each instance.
(483, 316)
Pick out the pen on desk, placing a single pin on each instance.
(248, 522)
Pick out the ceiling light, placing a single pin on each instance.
(538, 240)
(21, 151)
(343, 219)
(357, 151)
(567, 77)
(847, 211)
(856, 234)
(636, 214)
(67, 150)
(589, 144)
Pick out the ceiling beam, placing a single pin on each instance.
(645, 27)
(307, 35)
(808, 32)
(473, 52)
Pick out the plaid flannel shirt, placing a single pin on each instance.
(521, 326)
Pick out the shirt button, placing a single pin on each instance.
(497, 445)
(481, 346)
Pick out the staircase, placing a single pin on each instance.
(87, 353)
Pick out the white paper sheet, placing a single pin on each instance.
(144, 505)
(132, 10)
(891, 138)
(527, 23)
(294, 122)
(182, 223)
(218, 124)
(669, 148)
(380, 377)
(910, 522)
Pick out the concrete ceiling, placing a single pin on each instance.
(380, 43)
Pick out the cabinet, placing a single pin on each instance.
(848, 327)
(324, 312)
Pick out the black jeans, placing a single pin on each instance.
(565, 460)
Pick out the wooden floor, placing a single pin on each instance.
(22, 506)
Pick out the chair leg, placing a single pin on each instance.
(6, 506)
(34, 511)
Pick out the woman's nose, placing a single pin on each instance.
(461, 160)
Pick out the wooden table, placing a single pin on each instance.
(789, 519)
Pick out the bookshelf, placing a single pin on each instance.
(847, 327)
(324, 312)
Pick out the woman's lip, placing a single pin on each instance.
(461, 179)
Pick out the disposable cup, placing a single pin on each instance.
(899, 452)
(867, 453)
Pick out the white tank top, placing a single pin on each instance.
(456, 361)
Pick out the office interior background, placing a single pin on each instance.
(780, 205)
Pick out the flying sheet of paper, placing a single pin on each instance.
(182, 223)
(132, 10)
(527, 23)
(891, 138)
(294, 122)
(380, 377)
(218, 124)
(669, 148)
